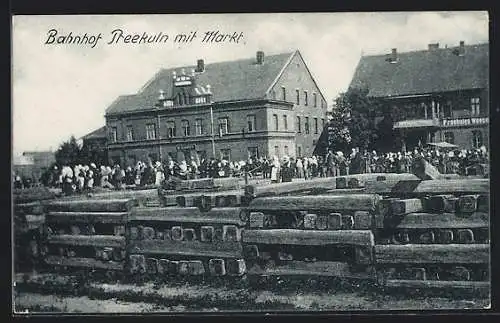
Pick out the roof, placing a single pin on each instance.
(425, 71)
(96, 134)
(230, 81)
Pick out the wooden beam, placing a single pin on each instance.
(429, 254)
(35, 208)
(220, 249)
(227, 215)
(87, 217)
(444, 186)
(115, 205)
(354, 202)
(405, 206)
(441, 221)
(439, 284)
(308, 237)
(83, 262)
(92, 240)
(302, 268)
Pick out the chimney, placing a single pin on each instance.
(260, 57)
(461, 48)
(394, 56)
(200, 66)
(433, 46)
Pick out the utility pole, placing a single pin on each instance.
(212, 129)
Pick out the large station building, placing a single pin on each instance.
(437, 94)
(263, 106)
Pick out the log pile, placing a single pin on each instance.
(185, 241)
(309, 236)
(435, 235)
(87, 234)
(391, 229)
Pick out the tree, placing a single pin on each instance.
(90, 153)
(68, 153)
(365, 120)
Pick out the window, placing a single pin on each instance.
(150, 131)
(298, 125)
(285, 122)
(286, 151)
(315, 100)
(474, 106)
(297, 94)
(276, 151)
(113, 134)
(253, 152)
(322, 123)
(477, 139)
(223, 126)
(275, 121)
(283, 93)
(251, 121)
(306, 98)
(274, 95)
(225, 154)
(185, 128)
(130, 133)
(171, 131)
(449, 137)
(198, 127)
(315, 125)
(180, 99)
(306, 125)
(299, 151)
(322, 104)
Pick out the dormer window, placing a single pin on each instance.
(200, 100)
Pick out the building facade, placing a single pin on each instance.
(434, 95)
(230, 110)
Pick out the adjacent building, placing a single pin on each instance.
(32, 164)
(437, 94)
(263, 106)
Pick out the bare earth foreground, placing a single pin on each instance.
(41, 293)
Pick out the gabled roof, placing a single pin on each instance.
(96, 134)
(229, 81)
(425, 71)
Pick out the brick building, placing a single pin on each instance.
(262, 106)
(438, 94)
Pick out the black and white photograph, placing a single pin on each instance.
(250, 162)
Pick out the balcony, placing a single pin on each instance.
(417, 123)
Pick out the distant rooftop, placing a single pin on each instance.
(424, 71)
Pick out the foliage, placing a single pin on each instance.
(68, 153)
(360, 121)
(71, 153)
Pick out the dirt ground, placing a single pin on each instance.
(36, 294)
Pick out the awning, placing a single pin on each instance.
(417, 123)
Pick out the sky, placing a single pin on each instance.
(60, 90)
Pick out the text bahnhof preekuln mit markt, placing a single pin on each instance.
(118, 36)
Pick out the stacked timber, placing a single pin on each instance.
(169, 242)
(203, 200)
(434, 235)
(213, 184)
(87, 234)
(29, 217)
(310, 236)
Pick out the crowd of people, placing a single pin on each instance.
(81, 178)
